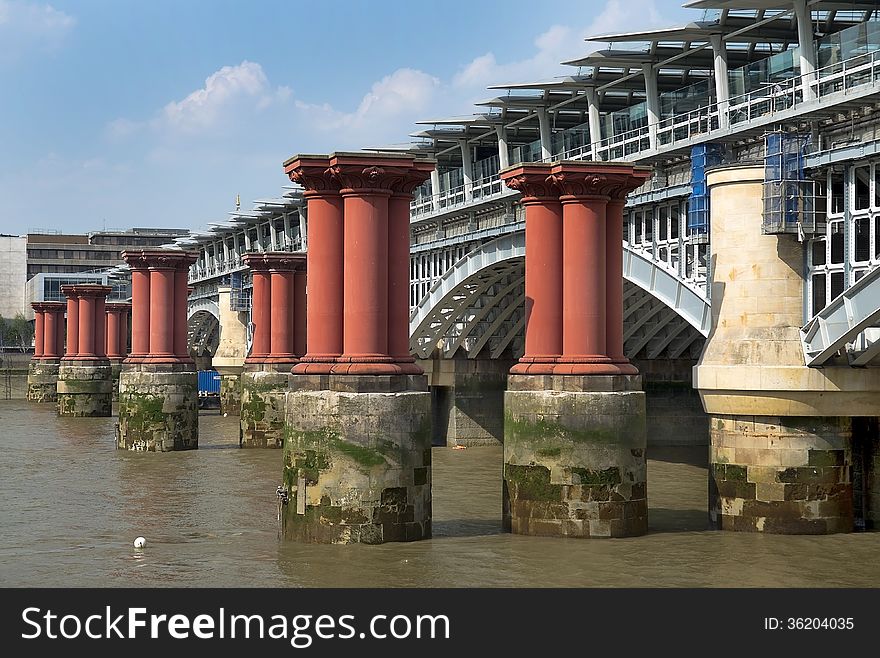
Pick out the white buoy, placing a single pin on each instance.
(224, 415)
(140, 542)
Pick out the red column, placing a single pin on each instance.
(111, 332)
(161, 312)
(543, 267)
(50, 335)
(180, 321)
(59, 332)
(100, 326)
(282, 314)
(324, 337)
(300, 326)
(72, 325)
(583, 279)
(140, 311)
(123, 331)
(614, 281)
(261, 315)
(38, 332)
(365, 337)
(86, 326)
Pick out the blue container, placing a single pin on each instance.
(209, 382)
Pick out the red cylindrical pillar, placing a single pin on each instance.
(59, 334)
(300, 325)
(140, 312)
(100, 326)
(86, 326)
(324, 329)
(179, 319)
(543, 339)
(543, 267)
(50, 335)
(38, 334)
(111, 331)
(261, 314)
(398, 279)
(72, 326)
(583, 282)
(281, 315)
(614, 280)
(123, 332)
(161, 312)
(365, 336)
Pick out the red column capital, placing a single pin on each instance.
(52, 314)
(159, 294)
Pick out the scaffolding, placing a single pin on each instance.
(702, 157)
(789, 197)
(241, 292)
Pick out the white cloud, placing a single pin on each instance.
(386, 112)
(556, 44)
(26, 27)
(223, 89)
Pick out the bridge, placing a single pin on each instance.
(751, 286)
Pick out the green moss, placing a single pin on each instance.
(367, 457)
(549, 452)
(531, 483)
(608, 477)
(141, 411)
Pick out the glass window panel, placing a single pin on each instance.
(662, 225)
(818, 293)
(862, 178)
(817, 252)
(836, 284)
(862, 239)
(837, 243)
(837, 193)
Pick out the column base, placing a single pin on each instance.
(42, 381)
(574, 456)
(357, 459)
(85, 388)
(781, 475)
(262, 406)
(158, 407)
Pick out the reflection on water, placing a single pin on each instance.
(72, 505)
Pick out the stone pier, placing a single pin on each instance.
(116, 341)
(279, 283)
(42, 381)
(574, 432)
(85, 386)
(782, 434)
(357, 448)
(229, 358)
(158, 386)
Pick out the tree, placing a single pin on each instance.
(16, 332)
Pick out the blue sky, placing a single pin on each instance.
(116, 113)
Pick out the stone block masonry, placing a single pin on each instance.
(158, 407)
(781, 475)
(262, 408)
(42, 381)
(574, 456)
(357, 462)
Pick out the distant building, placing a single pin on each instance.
(13, 270)
(59, 253)
(55, 259)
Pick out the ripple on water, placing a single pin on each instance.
(73, 504)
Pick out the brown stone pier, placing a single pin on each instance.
(48, 348)
(357, 447)
(84, 379)
(574, 431)
(158, 387)
(278, 301)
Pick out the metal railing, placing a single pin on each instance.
(703, 123)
